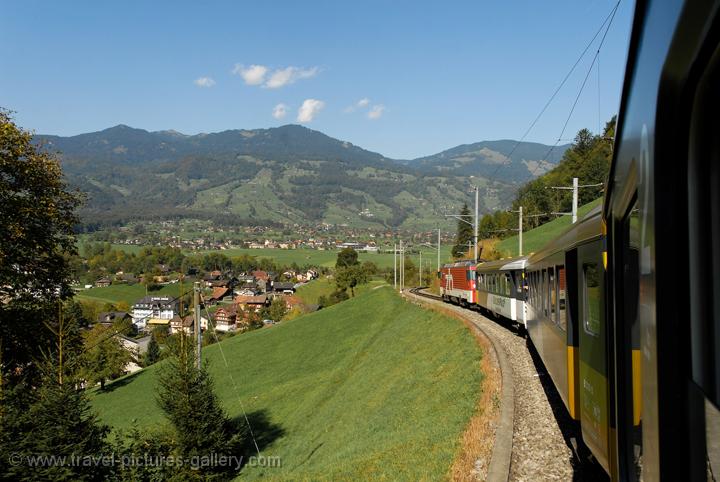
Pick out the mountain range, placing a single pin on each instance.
(285, 175)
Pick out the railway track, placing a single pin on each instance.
(546, 442)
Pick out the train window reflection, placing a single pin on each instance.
(562, 303)
(552, 298)
(591, 298)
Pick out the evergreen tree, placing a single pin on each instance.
(187, 397)
(464, 233)
(153, 352)
(52, 419)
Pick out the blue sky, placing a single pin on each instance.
(435, 74)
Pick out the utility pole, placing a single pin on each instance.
(575, 187)
(575, 200)
(402, 262)
(477, 222)
(395, 266)
(438, 268)
(196, 313)
(520, 231)
(474, 224)
(420, 268)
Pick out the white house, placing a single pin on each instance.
(154, 307)
(136, 346)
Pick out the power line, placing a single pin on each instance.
(232, 380)
(608, 21)
(609, 17)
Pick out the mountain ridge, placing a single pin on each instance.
(288, 175)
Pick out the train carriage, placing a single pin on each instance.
(567, 325)
(457, 282)
(501, 287)
(624, 307)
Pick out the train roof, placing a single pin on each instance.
(460, 264)
(586, 229)
(507, 264)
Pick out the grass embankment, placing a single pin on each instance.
(535, 239)
(311, 292)
(128, 293)
(373, 387)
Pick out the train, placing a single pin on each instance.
(623, 307)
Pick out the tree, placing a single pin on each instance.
(55, 419)
(350, 277)
(105, 357)
(153, 352)
(187, 397)
(276, 310)
(464, 233)
(36, 245)
(346, 257)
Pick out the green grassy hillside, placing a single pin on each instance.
(370, 388)
(540, 236)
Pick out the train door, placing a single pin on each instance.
(593, 373)
(628, 365)
(573, 340)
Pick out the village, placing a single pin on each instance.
(230, 303)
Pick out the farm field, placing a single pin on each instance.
(373, 387)
(127, 293)
(312, 257)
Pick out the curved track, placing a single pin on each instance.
(546, 442)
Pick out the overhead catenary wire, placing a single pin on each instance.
(608, 21)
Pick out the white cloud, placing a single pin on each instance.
(262, 75)
(376, 112)
(309, 109)
(361, 104)
(253, 75)
(204, 82)
(288, 75)
(280, 111)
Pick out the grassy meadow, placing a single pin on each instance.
(128, 293)
(373, 387)
(312, 257)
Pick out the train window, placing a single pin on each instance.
(562, 299)
(508, 284)
(531, 295)
(704, 224)
(543, 292)
(591, 298)
(552, 298)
